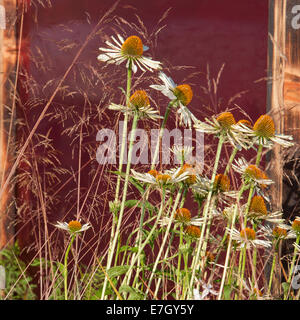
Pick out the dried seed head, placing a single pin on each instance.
(184, 93)
(226, 120)
(183, 215)
(248, 234)
(264, 127)
(253, 172)
(74, 226)
(222, 182)
(296, 225)
(139, 99)
(193, 231)
(279, 232)
(132, 46)
(258, 206)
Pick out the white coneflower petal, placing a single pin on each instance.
(129, 51)
(247, 237)
(263, 133)
(182, 94)
(73, 226)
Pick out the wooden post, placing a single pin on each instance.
(8, 60)
(284, 105)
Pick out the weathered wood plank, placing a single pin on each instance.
(284, 103)
(8, 57)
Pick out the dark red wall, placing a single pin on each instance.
(196, 34)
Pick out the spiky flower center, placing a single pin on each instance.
(279, 232)
(184, 93)
(246, 123)
(226, 120)
(253, 172)
(132, 47)
(153, 172)
(222, 182)
(258, 206)
(248, 234)
(74, 226)
(264, 127)
(183, 215)
(191, 179)
(296, 225)
(193, 231)
(139, 99)
(163, 178)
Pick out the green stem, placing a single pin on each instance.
(233, 154)
(124, 133)
(259, 154)
(254, 258)
(116, 236)
(206, 214)
(141, 248)
(161, 132)
(66, 266)
(292, 265)
(122, 152)
(179, 263)
(171, 220)
(230, 241)
(272, 272)
(243, 270)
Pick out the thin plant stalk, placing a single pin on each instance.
(164, 239)
(179, 262)
(232, 156)
(244, 253)
(122, 208)
(272, 271)
(206, 211)
(292, 265)
(66, 266)
(141, 248)
(122, 153)
(229, 242)
(161, 132)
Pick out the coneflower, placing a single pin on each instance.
(193, 231)
(226, 120)
(222, 182)
(258, 207)
(220, 125)
(138, 103)
(181, 95)
(183, 215)
(263, 133)
(130, 51)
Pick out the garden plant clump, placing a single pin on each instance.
(192, 233)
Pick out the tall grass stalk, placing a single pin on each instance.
(206, 215)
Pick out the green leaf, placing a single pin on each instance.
(285, 286)
(61, 268)
(117, 271)
(134, 294)
(129, 248)
(132, 203)
(227, 292)
(131, 180)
